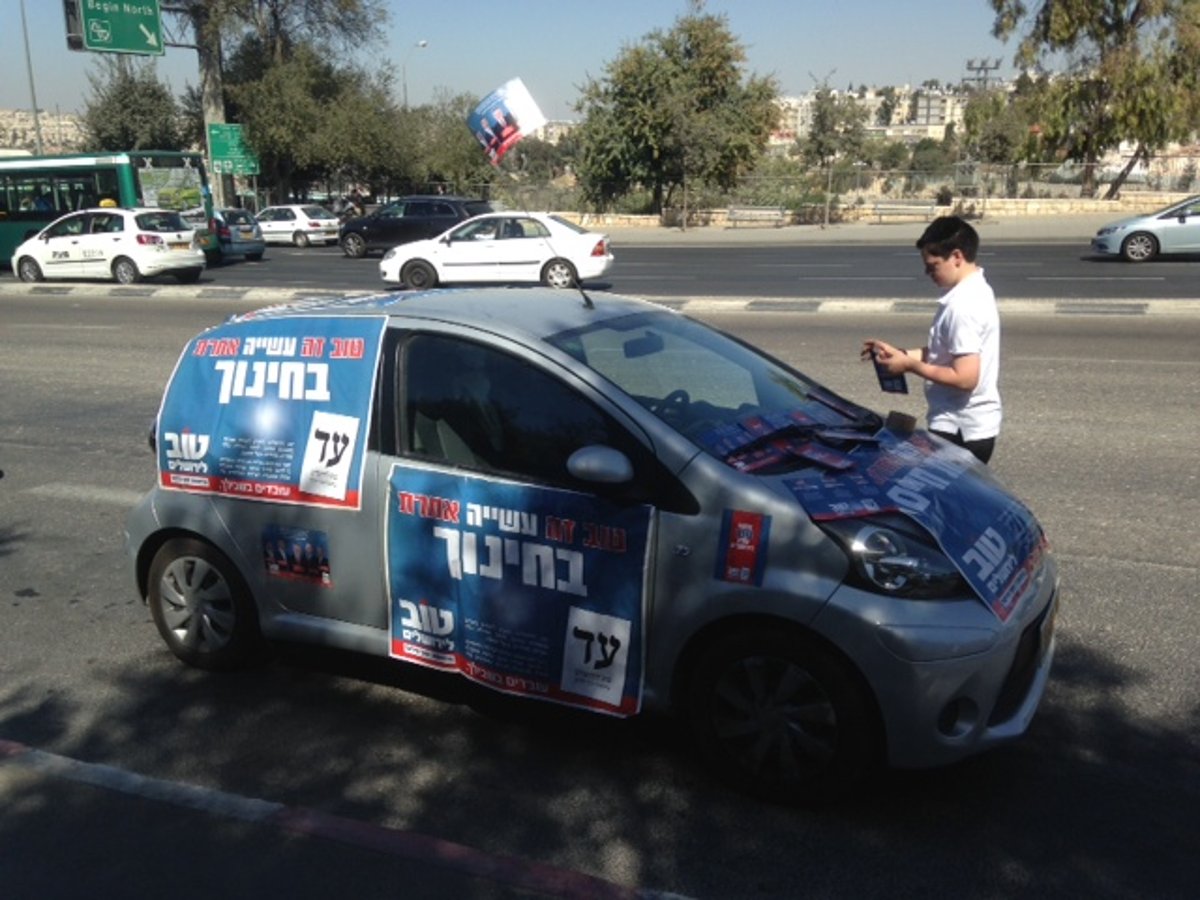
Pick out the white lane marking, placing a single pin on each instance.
(59, 490)
(1096, 278)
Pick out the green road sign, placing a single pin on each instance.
(229, 153)
(122, 26)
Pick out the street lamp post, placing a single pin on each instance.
(419, 45)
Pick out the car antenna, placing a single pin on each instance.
(587, 301)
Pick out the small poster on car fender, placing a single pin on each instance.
(528, 590)
(272, 410)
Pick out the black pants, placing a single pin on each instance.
(981, 449)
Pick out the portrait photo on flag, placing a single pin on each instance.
(503, 117)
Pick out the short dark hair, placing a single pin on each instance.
(946, 234)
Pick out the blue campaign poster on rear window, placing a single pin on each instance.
(528, 590)
(274, 410)
(989, 535)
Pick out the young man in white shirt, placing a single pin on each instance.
(961, 361)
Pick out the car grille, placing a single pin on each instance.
(1035, 640)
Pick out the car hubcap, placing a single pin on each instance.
(559, 276)
(775, 718)
(197, 605)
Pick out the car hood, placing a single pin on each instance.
(837, 472)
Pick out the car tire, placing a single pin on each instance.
(558, 273)
(202, 607)
(781, 716)
(188, 276)
(29, 270)
(419, 275)
(125, 270)
(354, 246)
(1139, 247)
(300, 239)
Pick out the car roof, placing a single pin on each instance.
(519, 313)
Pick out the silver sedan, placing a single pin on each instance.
(1175, 229)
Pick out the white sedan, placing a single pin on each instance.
(298, 224)
(504, 248)
(124, 244)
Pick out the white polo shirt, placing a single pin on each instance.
(966, 321)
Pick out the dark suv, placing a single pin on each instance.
(407, 219)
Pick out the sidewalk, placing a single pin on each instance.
(1066, 229)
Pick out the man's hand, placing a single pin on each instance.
(893, 360)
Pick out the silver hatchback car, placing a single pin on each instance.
(599, 503)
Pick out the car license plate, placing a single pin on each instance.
(247, 232)
(178, 245)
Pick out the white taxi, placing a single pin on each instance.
(123, 244)
(298, 224)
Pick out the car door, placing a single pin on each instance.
(101, 244)
(522, 249)
(388, 227)
(470, 253)
(61, 250)
(1181, 230)
(501, 564)
(276, 226)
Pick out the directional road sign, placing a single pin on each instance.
(227, 147)
(122, 26)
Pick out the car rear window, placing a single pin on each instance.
(478, 207)
(238, 217)
(162, 220)
(317, 212)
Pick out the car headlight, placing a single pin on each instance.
(1108, 229)
(390, 253)
(894, 557)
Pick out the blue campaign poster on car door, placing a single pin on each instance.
(529, 590)
(989, 535)
(272, 409)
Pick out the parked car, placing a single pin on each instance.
(508, 248)
(124, 244)
(1174, 229)
(407, 219)
(239, 234)
(298, 224)
(599, 503)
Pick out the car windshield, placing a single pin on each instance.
(162, 220)
(317, 212)
(711, 388)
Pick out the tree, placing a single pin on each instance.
(674, 110)
(996, 127)
(838, 130)
(130, 109)
(1133, 74)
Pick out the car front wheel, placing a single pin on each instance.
(558, 273)
(419, 275)
(1139, 247)
(29, 270)
(125, 270)
(782, 717)
(354, 246)
(201, 606)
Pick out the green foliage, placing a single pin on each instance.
(1133, 74)
(838, 130)
(673, 112)
(129, 108)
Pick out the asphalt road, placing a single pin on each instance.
(1098, 800)
(1062, 271)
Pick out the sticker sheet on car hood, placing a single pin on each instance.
(991, 536)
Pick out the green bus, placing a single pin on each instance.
(36, 190)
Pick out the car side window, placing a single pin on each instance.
(532, 228)
(67, 227)
(476, 407)
(393, 211)
(105, 223)
(418, 209)
(443, 210)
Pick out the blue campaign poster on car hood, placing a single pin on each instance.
(274, 410)
(990, 536)
(528, 590)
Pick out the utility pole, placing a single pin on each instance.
(980, 70)
(37, 125)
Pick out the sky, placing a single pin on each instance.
(555, 46)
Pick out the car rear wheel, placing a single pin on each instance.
(202, 607)
(558, 273)
(780, 716)
(125, 270)
(29, 270)
(419, 275)
(1139, 247)
(354, 246)
(300, 239)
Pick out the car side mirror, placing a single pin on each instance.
(601, 465)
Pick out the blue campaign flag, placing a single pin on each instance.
(529, 590)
